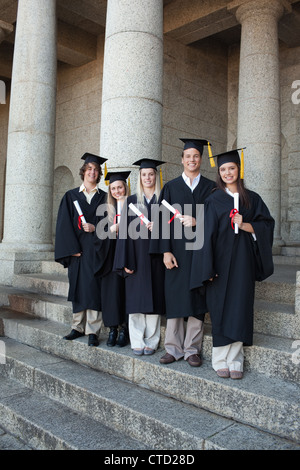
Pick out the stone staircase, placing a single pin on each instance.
(56, 394)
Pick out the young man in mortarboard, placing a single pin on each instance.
(187, 191)
(74, 249)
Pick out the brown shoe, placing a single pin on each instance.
(236, 374)
(167, 359)
(224, 373)
(194, 360)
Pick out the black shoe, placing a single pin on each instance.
(112, 336)
(123, 337)
(73, 335)
(93, 340)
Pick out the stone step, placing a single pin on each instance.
(260, 400)
(46, 424)
(274, 356)
(49, 386)
(43, 283)
(280, 287)
(278, 319)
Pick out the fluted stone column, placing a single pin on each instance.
(30, 150)
(259, 101)
(131, 118)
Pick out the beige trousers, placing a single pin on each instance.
(144, 330)
(229, 357)
(87, 321)
(183, 338)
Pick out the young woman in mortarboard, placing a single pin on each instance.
(112, 285)
(144, 273)
(229, 263)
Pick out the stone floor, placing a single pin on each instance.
(9, 442)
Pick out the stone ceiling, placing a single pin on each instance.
(80, 22)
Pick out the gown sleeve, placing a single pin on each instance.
(160, 244)
(103, 242)
(263, 225)
(66, 240)
(125, 252)
(203, 266)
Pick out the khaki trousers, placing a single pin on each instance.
(144, 330)
(87, 321)
(183, 338)
(229, 357)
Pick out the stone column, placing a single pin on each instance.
(31, 131)
(259, 101)
(131, 118)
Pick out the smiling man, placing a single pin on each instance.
(185, 192)
(74, 249)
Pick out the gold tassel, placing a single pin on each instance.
(128, 182)
(242, 165)
(212, 162)
(161, 178)
(105, 173)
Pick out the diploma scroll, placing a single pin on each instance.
(139, 214)
(81, 216)
(171, 209)
(119, 209)
(236, 209)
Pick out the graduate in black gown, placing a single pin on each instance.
(74, 249)
(112, 285)
(229, 263)
(144, 273)
(184, 193)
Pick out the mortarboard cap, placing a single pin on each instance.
(113, 176)
(198, 144)
(148, 163)
(91, 158)
(231, 156)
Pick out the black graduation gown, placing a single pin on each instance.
(180, 301)
(84, 287)
(112, 285)
(237, 260)
(144, 289)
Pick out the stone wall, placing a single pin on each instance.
(290, 145)
(195, 100)
(78, 116)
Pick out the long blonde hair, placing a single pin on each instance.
(112, 202)
(140, 189)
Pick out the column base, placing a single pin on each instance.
(21, 260)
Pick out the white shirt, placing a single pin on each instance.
(89, 195)
(187, 181)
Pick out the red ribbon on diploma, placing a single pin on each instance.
(231, 215)
(176, 213)
(79, 221)
(115, 217)
(142, 217)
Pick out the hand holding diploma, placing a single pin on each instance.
(81, 218)
(171, 209)
(143, 218)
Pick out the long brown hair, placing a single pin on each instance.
(240, 187)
